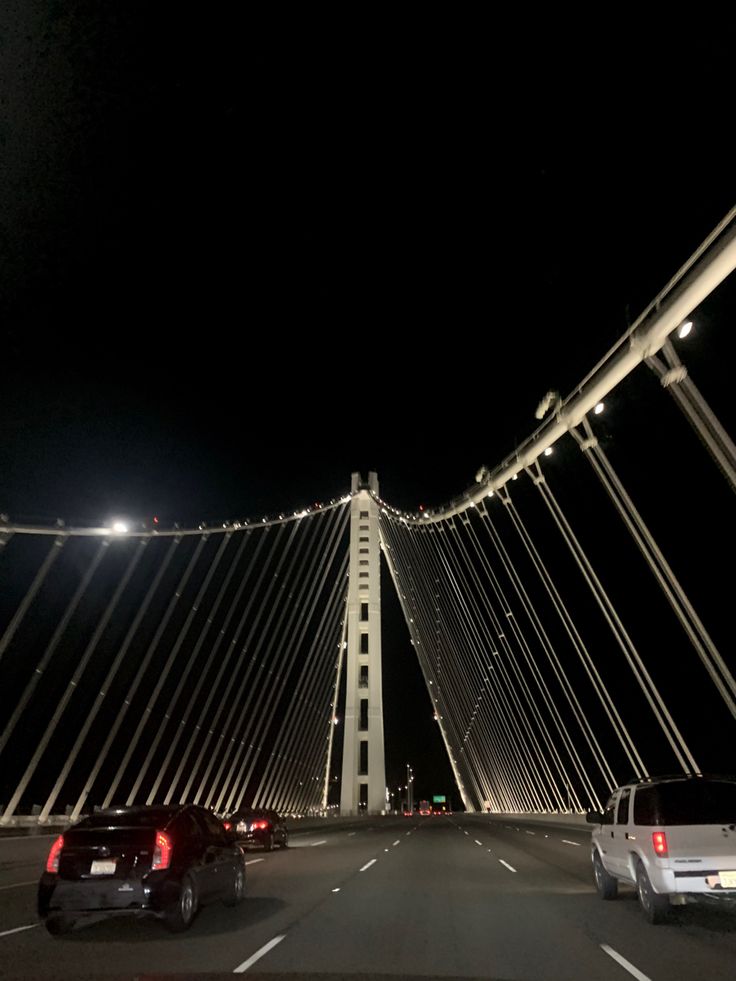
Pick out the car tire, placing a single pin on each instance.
(57, 924)
(654, 905)
(236, 893)
(180, 915)
(605, 883)
(268, 843)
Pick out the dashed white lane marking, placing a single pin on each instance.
(336, 890)
(258, 954)
(626, 965)
(478, 842)
(509, 867)
(467, 832)
(368, 864)
(531, 832)
(351, 833)
(16, 885)
(408, 832)
(385, 849)
(6, 933)
(315, 843)
(253, 861)
(566, 842)
(397, 842)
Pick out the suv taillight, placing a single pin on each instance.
(261, 825)
(162, 851)
(659, 842)
(52, 862)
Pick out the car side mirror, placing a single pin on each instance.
(594, 817)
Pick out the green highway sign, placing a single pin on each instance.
(439, 800)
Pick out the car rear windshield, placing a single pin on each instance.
(686, 802)
(133, 817)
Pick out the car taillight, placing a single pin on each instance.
(162, 851)
(52, 862)
(659, 841)
(260, 824)
(226, 825)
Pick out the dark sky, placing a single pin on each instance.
(240, 262)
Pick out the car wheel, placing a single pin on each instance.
(655, 905)
(605, 883)
(268, 843)
(57, 924)
(180, 915)
(237, 890)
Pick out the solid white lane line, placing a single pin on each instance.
(626, 965)
(252, 861)
(258, 954)
(478, 842)
(509, 867)
(368, 864)
(315, 843)
(566, 842)
(6, 933)
(16, 885)
(397, 842)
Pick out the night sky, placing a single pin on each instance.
(239, 263)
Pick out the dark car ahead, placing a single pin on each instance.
(165, 861)
(257, 826)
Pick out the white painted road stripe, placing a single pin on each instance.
(478, 842)
(16, 885)
(509, 867)
(398, 840)
(258, 954)
(6, 933)
(336, 890)
(530, 832)
(467, 832)
(368, 864)
(566, 842)
(626, 965)
(252, 861)
(315, 843)
(351, 833)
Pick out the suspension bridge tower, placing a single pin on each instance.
(363, 788)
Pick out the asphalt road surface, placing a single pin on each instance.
(452, 897)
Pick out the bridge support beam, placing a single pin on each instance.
(363, 789)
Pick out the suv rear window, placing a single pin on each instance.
(686, 802)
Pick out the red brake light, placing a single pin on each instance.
(659, 841)
(162, 851)
(52, 862)
(260, 824)
(226, 825)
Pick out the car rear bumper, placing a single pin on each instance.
(103, 895)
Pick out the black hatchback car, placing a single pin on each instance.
(165, 861)
(257, 826)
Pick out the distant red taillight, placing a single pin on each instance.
(226, 825)
(52, 862)
(262, 825)
(659, 841)
(162, 851)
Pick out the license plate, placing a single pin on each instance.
(102, 867)
(728, 880)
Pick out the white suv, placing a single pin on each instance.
(671, 837)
